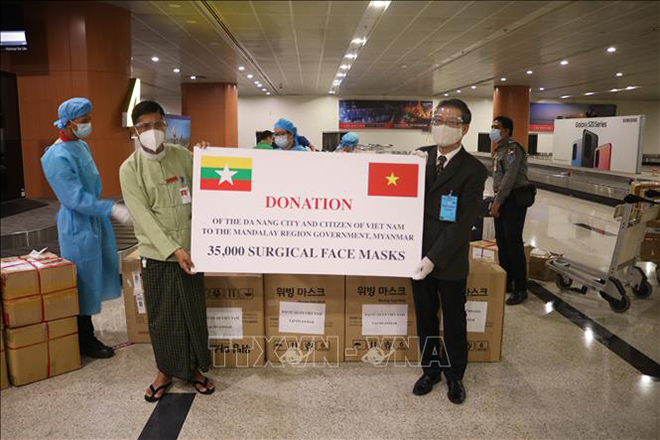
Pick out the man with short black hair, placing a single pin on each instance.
(509, 176)
(264, 140)
(454, 192)
(156, 184)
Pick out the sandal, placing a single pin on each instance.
(203, 384)
(153, 397)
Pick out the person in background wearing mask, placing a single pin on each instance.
(286, 136)
(509, 175)
(347, 143)
(453, 195)
(83, 222)
(264, 140)
(156, 184)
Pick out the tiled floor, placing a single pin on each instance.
(555, 381)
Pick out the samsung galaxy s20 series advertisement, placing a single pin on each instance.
(605, 144)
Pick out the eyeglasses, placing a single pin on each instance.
(158, 125)
(449, 122)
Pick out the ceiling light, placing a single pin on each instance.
(379, 4)
(241, 68)
(631, 87)
(611, 49)
(193, 77)
(267, 93)
(264, 90)
(344, 67)
(256, 82)
(589, 93)
(564, 62)
(565, 96)
(619, 74)
(473, 87)
(176, 70)
(503, 79)
(446, 94)
(458, 91)
(332, 92)
(614, 90)
(541, 88)
(191, 21)
(404, 66)
(341, 74)
(359, 40)
(351, 56)
(155, 59)
(336, 82)
(250, 76)
(529, 72)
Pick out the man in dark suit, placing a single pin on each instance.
(454, 192)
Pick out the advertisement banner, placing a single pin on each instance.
(259, 211)
(608, 144)
(355, 114)
(542, 115)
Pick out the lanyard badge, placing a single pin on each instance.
(448, 207)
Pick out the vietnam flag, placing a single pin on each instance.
(393, 179)
(226, 173)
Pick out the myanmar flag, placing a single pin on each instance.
(226, 173)
(393, 179)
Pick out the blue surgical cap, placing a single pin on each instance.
(287, 125)
(72, 109)
(350, 139)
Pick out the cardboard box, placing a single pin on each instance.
(38, 308)
(39, 351)
(312, 326)
(4, 379)
(137, 324)
(650, 248)
(487, 250)
(537, 268)
(55, 273)
(235, 317)
(19, 278)
(486, 286)
(384, 306)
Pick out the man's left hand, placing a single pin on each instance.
(495, 209)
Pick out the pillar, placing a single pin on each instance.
(75, 48)
(513, 102)
(213, 111)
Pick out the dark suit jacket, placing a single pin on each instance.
(447, 244)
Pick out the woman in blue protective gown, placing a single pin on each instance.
(286, 136)
(83, 221)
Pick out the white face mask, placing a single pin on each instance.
(152, 139)
(148, 154)
(495, 135)
(83, 130)
(281, 141)
(444, 135)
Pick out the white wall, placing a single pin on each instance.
(315, 114)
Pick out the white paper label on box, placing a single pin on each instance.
(384, 320)
(488, 254)
(139, 302)
(476, 252)
(137, 282)
(225, 322)
(305, 318)
(476, 316)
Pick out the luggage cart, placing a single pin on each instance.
(622, 273)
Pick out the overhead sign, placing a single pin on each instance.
(542, 115)
(258, 211)
(354, 114)
(607, 144)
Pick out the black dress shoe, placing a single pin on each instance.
(96, 349)
(456, 391)
(424, 384)
(517, 297)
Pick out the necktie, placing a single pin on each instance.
(442, 160)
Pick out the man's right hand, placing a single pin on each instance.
(424, 268)
(185, 262)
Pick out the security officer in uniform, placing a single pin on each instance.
(509, 176)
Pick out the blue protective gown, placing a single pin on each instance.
(83, 224)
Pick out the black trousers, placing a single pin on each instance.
(85, 329)
(427, 294)
(508, 232)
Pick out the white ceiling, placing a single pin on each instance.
(413, 48)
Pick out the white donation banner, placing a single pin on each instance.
(260, 211)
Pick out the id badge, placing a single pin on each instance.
(448, 207)
(185, 195)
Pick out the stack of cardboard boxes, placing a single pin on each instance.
(40, 304)
(487, 250)
(4, 379)
(305, 319)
